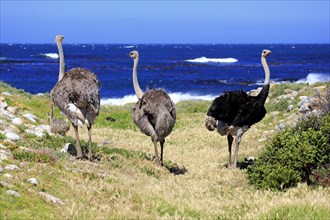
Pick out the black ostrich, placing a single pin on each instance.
(234, 112)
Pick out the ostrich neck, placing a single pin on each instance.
(266, 69)
(60, 51)
(136, 86)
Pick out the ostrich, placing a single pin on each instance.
(77, 95)
(234, 112)
(57, 126)
(154, 113)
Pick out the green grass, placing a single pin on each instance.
(297, 212)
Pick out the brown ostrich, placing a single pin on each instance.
(77, 95)
(154, 113)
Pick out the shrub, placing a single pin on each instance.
(299, 154)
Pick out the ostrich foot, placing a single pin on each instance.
(90, 156)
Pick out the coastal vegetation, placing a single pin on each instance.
(123, 182)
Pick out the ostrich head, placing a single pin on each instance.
(265, 53)
(210, 123)
(59, 38)
(134, 54)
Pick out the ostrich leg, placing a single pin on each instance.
(230, 142)
(156, 151)
(161, 150)
(238, 141)
(90, 155)
(79, 152)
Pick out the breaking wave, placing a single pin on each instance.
(314, 78)
(213, 60)
(51, 55)
(176, 97)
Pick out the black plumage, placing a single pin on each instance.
(238, 108)
(233, 112)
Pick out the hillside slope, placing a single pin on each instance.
(124, 182)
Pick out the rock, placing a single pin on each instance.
(12, 128)
(17, 121)
(290, 108)
(106, 142)
(4, 155)
(6, 93)
(262, 139)
(43, 129)
(13, 110)
(5, 184)
(33, 181)
(69, 148)
(13, 193)
(51, 198)
(2, 146)
(302, 102)
(30, 116)
(6, 114)
(280, 126)
(36, 133)
(12, 167)
(7, 175)
(12, 136)
(304, 108)
(288, 91)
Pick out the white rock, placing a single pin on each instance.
(304, 108)
(289, 109)
(33, 181)
(51, 198)
(302, 102)
(30, 116)
(5, 113)
(7, 175)
(303, 97)
(43, 128)
(12, 136)
(6, 93)
(262, 139)
(37, 133)
(4, 155)
(13, 193)
(17, 121)
(8, 185)
(2, 146)
(12, 167)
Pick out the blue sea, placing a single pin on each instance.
(186, 72)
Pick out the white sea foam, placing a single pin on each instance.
(51, 55)
(130, 46)
(176, 97)
(213, 60)
(314, 78)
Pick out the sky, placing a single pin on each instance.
(190, 22)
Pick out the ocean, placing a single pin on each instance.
(186, 72)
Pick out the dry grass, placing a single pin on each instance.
(207, 190)
(119, 187)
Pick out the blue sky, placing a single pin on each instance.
(165, 21)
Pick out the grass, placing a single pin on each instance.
(125, 183)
